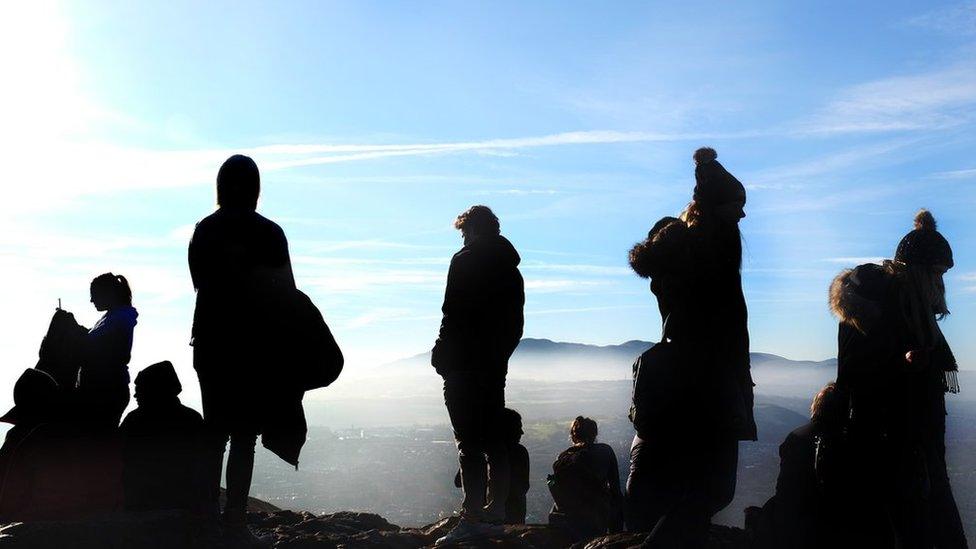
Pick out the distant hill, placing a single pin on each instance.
(544, 359)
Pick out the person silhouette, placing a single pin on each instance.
(102, 389)
(240, 265)
(518, 465)
(162, 446)
(683, 471)
(585, 485)
(804, 512)
(897, 366)
(480, 329)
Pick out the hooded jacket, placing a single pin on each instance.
(890, 397)
(482, 313)
(699, 292)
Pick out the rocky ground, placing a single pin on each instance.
(301, 530)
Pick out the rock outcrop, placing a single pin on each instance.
(302, 530)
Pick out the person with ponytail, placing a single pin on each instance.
(103, 380)
(684, 459)
(896, 365)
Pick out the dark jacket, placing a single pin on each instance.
(163, 452)
(107, 350)
(242, 272)
(483, 319)
(585, 485)
(695, 277)
(795, 516)
(238, 261)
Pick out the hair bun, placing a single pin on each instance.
(925, 220)
(704, 154)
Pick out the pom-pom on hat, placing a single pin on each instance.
(924, 245)
(714, 185)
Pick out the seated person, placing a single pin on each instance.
(798, 514)
(585, 485)
(52, 470)
(162, 444)
(518, 463)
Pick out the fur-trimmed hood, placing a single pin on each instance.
(857, 295)
(662, 250)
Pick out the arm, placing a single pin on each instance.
(445, 353)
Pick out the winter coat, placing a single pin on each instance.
(163, 451)
(695, 278)
(796, 515)
(238, 261)
(482, 312)
(890, 397)
(241, 269)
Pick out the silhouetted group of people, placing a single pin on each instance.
(868, 470)
(259, 345)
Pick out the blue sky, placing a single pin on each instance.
(375, 123)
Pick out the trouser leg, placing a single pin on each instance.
(945, 525)
(460, 397)
(653, 484)
(499, 473)
(240, 468)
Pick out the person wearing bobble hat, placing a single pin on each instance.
(684, 458)
(895, 365)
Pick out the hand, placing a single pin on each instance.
(910, 356)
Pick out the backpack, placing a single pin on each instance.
(61, 350)
(576, 488)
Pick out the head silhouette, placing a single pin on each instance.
(157, 383)
(512, 424)
(583, 431)
(110, 291)
(476, 222)
(829, 408)
(36, 398)
(238, 183)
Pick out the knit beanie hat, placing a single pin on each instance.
(924, 246)
(714, 185)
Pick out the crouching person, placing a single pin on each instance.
(804, 512)
(518, 465)
(163, 448)
(585, 485)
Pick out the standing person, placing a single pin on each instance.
(103, 380)
(585, 485)
(240, 265)
(897, 366)
(480, 329)
(683, 462)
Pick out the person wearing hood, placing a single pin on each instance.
(683, 462)
(102, 391)
(162, 442)
(480, 329)
(240, 266)
(896, 365)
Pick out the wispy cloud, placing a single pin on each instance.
(969, 282)
(851, 261)
(932, 100)
(956, 19)
(956, 174)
